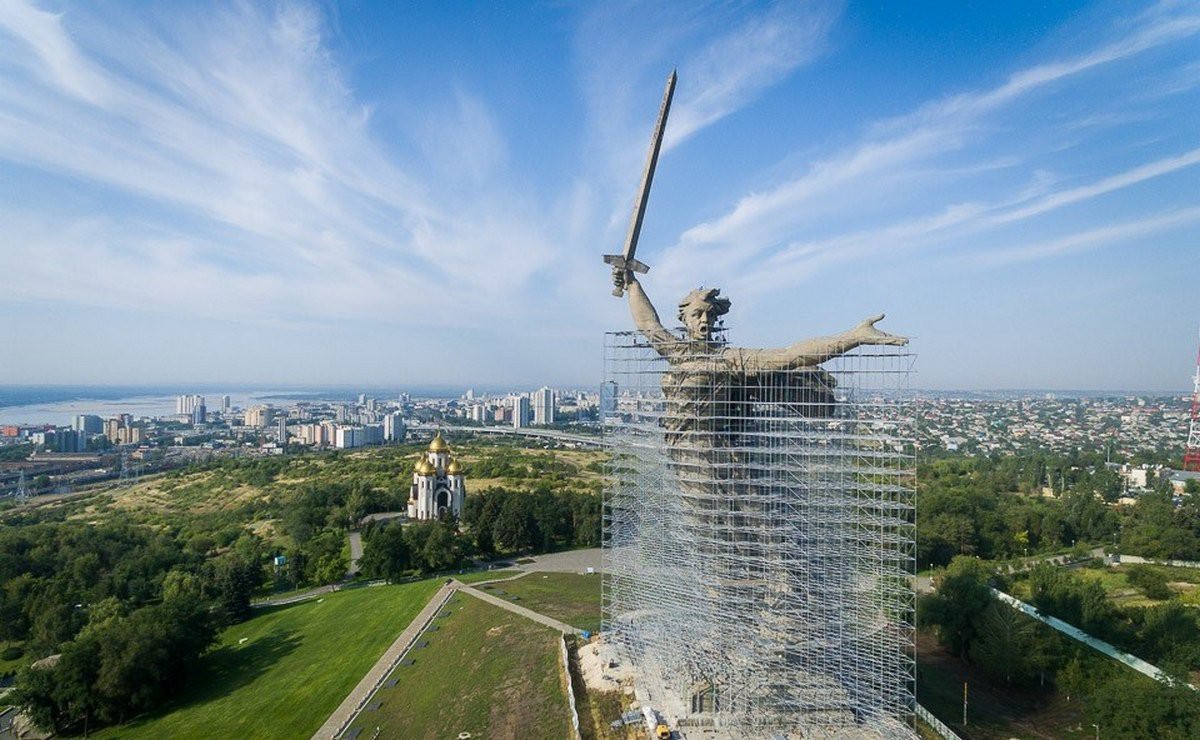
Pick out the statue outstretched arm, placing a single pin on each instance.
(811, 352)
(645, 318)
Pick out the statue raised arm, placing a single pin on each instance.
(700, 311)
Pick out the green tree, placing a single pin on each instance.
(232, 582)
(440, 550)
(961, 595)
(1002, 643)
(515, 528)
(386, 553)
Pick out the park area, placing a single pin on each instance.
(573, 598)
(477, 669)
(283, 672)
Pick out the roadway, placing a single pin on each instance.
(522, 432)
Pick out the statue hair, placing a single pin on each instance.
(705, 295)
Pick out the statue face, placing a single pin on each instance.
(700, 317)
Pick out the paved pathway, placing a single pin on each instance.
(527, 613)
(569, 561)
(1126, 559)
(355, 540)
(294, 598)
(345, 712)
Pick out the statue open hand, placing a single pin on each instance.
(866, 333)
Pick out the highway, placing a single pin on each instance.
(523, 432)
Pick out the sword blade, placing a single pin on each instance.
(639, 206)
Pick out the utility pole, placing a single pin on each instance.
(964, 703)
(22, 490)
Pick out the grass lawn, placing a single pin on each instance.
(485, 575)
(485, 671)
(568, 597)
(1122, 593)
(15, 664)
(296, 666)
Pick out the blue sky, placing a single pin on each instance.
(416, 194)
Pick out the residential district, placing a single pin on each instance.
(1142, 434)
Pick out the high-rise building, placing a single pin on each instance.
(88, 424)
(281, 432)
(69, 440)
(112, 430)
(371, 434)
(393, 427)
(543, 406)
(259, 416)
(520, 409)
(186, 405)
(349, 437)
(226, 404)
(200, 414)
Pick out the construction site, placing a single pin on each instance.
(758, 538)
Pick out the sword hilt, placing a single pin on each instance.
(621, 263)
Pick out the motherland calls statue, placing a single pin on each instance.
(756, 610)
(700, 310)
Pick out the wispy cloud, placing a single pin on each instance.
(733, 69)
(758, 238)
(238, 121)
(1089, 238)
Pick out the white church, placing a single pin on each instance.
(438, 485)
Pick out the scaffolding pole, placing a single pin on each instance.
(758, 538)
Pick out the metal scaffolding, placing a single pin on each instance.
(758, 538)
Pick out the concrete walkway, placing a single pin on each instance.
(345, 712)
(568, 561)
(527, 613)
(297, 597)
(355, 541)
(1101, 646)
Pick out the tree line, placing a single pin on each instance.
(495, 522)
(118, 614)
(1018, 650)
(994, 508)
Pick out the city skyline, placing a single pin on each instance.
(308, 194)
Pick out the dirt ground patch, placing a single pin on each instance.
(994, 710)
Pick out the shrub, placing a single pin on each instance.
(1151, 581)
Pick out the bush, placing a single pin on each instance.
(1150, 580)
(12, 652)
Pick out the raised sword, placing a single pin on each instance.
(626, 260)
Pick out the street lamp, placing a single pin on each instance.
(1097, 730)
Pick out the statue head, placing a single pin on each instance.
(699, 311)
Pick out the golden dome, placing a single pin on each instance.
(454, 468)
(424, 467)
(438, 444)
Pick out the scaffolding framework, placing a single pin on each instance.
(758, 538)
